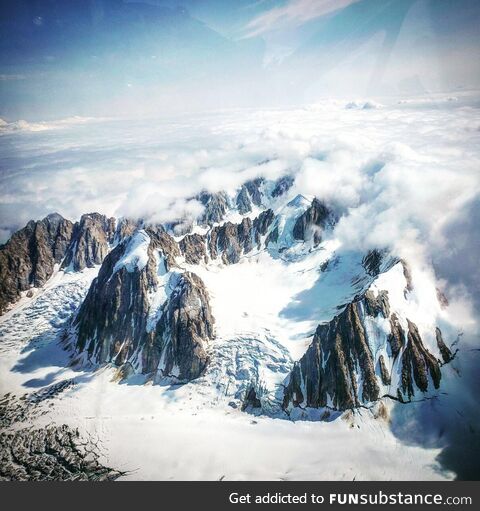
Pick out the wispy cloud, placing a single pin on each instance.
(11, 77)
(292, 14)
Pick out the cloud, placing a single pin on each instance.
(292, 14)
(11, 77)
(399, 174)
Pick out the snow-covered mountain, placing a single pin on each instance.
(254, 306)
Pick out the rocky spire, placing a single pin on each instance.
(339, 369)
(178, 346)
(250, 194)
(29, 257)
(91, 241)
(120, 323)
(215, 204)
(313, 221)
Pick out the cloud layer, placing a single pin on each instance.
(402, 172)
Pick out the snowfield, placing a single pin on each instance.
(192, 431)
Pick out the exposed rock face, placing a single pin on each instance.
(91, 241)
(375, 305)
(312, 222)
(407, 273)
(178, 347)
(339, 369)
(417, 364)
(327, 373)
(126, 227)
(372, 262)
(261, 225)
(162, 241)
(230, 241)
(250, 194)
(112, 320)
(282, 185)
(444, 350)
(386, 379)
(119, 323)
(251, 400)
(216, 205)
(193, 247)
(396, 337)
(28, 258)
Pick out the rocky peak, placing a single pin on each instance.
(230, 241)
(162, 241)
(352, 361)
(29, 257)
(250, 194)
(119, 322)
(126, 227)
(91, 240)
(313, 221)
(216, 206)
(261, 225)
(417, 365)
(193, 247)
(178, 346)
(112, 319)
(282, 185)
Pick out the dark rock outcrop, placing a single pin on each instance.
(250, 194)
(91, 241)
(111, 322)
(261, 224)
(396, 337)
(251, 400)
(215, 204)
(375, 305)
(372, 262)
(181, 334)
(282, 185)
(162, 241)
(340, 371)
(444, 349)
(418, 364)
(313, 221)
(126, 227)
(385, 375)
(230, 240)
(407, 273)
(327, 374)
(28, 258)
(193, 247)
(112, 325)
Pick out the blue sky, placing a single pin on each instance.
(113, 57)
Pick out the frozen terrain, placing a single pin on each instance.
(189, 431)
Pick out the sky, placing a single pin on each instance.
(114, 58)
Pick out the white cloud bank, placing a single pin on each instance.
(400, 172)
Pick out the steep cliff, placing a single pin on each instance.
(29, 257)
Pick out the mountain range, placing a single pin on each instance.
(148, 310)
